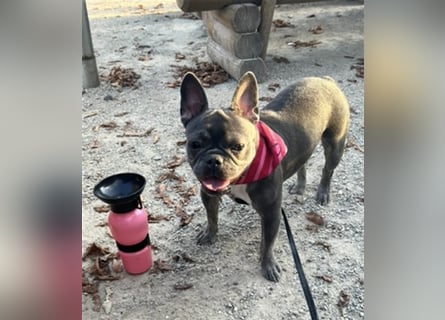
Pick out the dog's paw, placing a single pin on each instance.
(271, 271)
(322, 198)
(206, 237)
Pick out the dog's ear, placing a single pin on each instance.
(245, 99)
(193, 98)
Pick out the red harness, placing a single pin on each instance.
(271, 150)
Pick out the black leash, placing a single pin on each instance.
(299, 267)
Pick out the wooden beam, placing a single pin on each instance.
(267, 10)
(234, 66)
(241, 18)
(205, 5)
(241, 45)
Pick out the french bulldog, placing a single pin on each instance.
(248, 154)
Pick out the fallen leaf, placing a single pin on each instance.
(282, 24)
(121, 114)
(315, 218)
(300, 44)
(169, 175)
(182, 286)
(312, 227)
(343, 300)
(179, 56)
(316, 30)
(209, 74)
(352, 144)
(91, 114)
(311, 16)
(273, 86)
(175, 162)
(94, 250)
(324, 244)
(359, 68)
(108, 125)
(122, 77)
(161, 194)
(325, 278)
(157, 218)
(162, 265)
(102, 208)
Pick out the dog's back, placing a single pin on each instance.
(309, 111)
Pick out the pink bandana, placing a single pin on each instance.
(271, 150)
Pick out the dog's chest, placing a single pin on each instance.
(239, 194)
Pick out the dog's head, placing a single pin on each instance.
(221, 143)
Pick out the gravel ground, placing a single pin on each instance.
(138, 129)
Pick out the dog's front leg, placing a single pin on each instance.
(267, 202)
(211, 204)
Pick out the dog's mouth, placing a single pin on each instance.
(215, 185)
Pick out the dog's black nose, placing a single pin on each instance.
(214, 162)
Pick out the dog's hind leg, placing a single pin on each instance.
(333, 151)
(301, 184)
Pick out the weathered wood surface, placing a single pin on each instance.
(267, 11)
(234, 66)
(241, 45)
(205, 5)
(241, 18)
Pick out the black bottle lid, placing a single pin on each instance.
(121, 191)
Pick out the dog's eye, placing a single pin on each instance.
(195, 144)
(237, 147)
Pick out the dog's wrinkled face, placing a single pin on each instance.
(221, 143)
(220, 146)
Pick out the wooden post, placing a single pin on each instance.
(235, 66)
(205, 5)
(241, 45)
(241, 18)
(267, 10)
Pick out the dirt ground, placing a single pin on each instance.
(138, 129)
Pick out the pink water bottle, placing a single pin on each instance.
(127, 219)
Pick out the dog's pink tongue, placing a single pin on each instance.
(215, 185)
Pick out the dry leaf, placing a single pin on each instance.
(282, 24)
(312, 227)
(273, 86)
(316, 30)
(108, 125)
(94, 250)
(352, 144)
(315, 218)
(169, 175)
(157, 218)
(179, 56)
(324, 244)
(121, 114)
(183, 286)
(300, 44)
(102, 208)
(325, 278)
(162, 265)
(175, 162)
(122, 77)
(209, 74)
(343, 300)
(181, 143)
